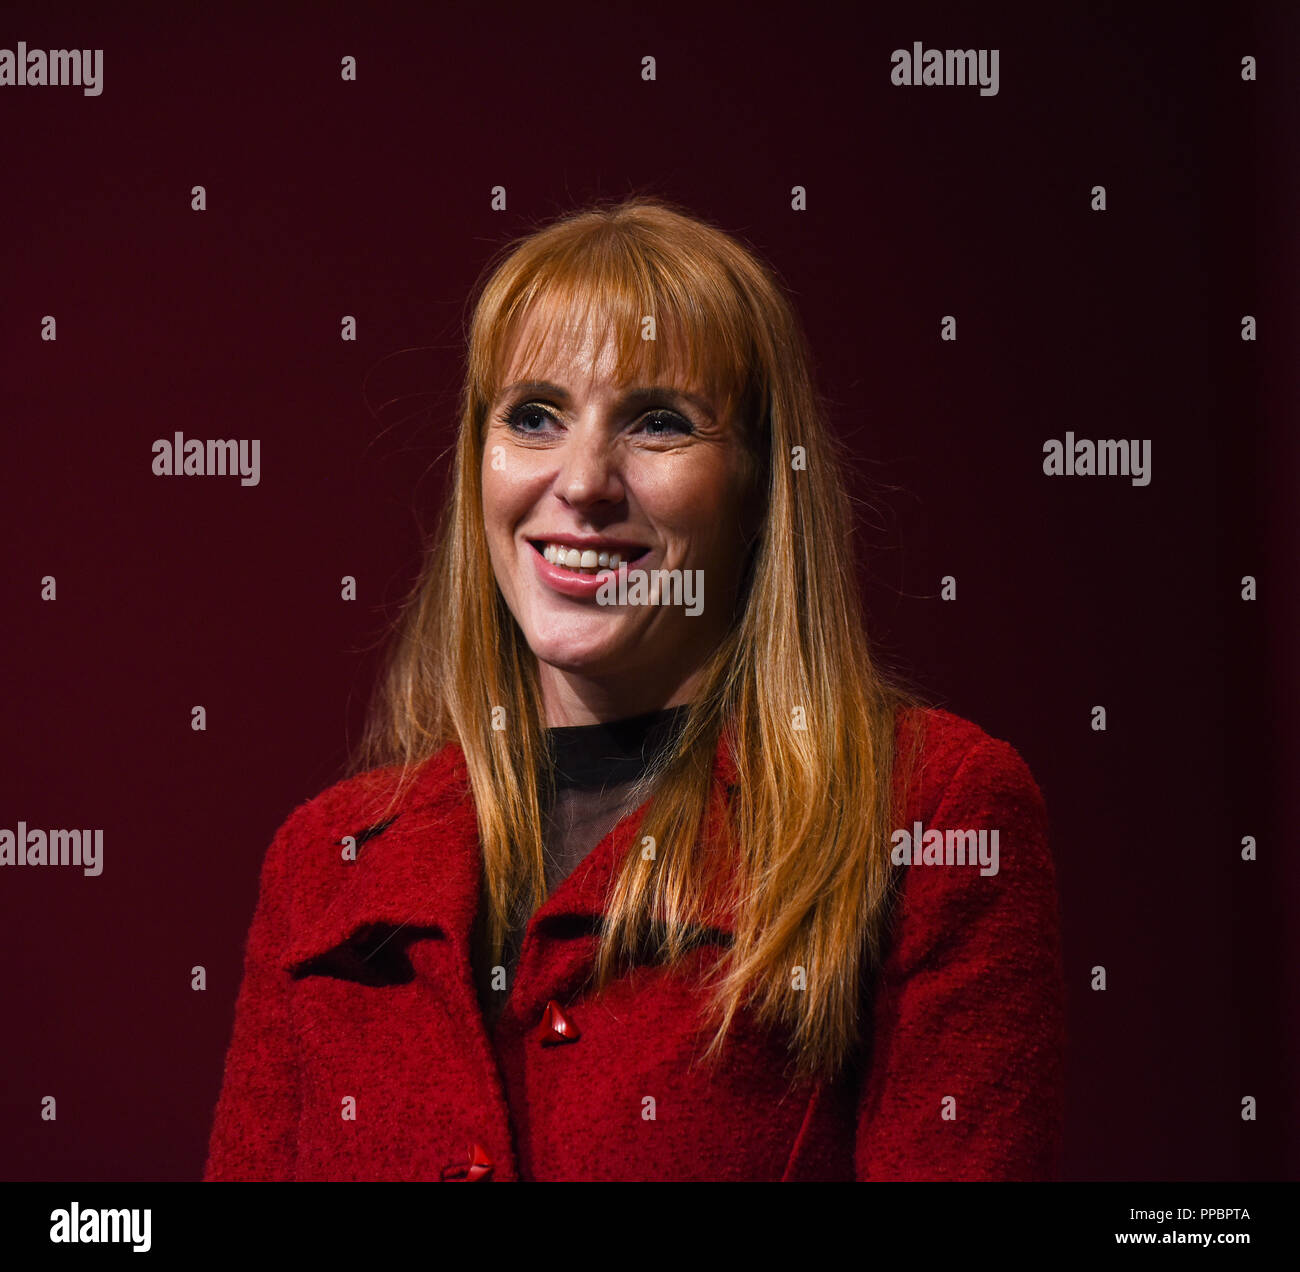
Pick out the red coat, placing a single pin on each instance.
(335, 1004)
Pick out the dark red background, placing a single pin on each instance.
(327, 198)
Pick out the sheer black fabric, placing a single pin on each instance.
(596, 767)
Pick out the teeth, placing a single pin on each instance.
(587, 560)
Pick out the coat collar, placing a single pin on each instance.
(419, 862)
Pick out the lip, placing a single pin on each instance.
(580, 586)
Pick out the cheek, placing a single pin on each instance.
(504, 498)
(493, 501)
(700, 504)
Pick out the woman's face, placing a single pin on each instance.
(575, 462)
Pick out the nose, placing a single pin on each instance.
(589, 472)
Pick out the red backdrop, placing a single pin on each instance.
(372, 198)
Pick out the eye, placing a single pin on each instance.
(663, 423)
(528, 418)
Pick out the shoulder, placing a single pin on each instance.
(946, 765)
(972, 845)
(969, 1000)
(362, 802)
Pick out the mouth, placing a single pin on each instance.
(587, 560)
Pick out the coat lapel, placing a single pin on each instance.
(418, 871)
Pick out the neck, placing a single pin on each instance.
(568, 699)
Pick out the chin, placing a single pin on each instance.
(583, 648)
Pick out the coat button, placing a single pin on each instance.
(479, 1168)
(556, 1027)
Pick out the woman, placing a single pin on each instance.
(649, 873)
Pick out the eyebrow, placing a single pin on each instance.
(634, 395)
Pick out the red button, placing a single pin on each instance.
(556, 1027)
(478, 1168)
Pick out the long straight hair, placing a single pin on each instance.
(793, 689)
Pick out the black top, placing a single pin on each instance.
(589, 756)
(595, 768)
